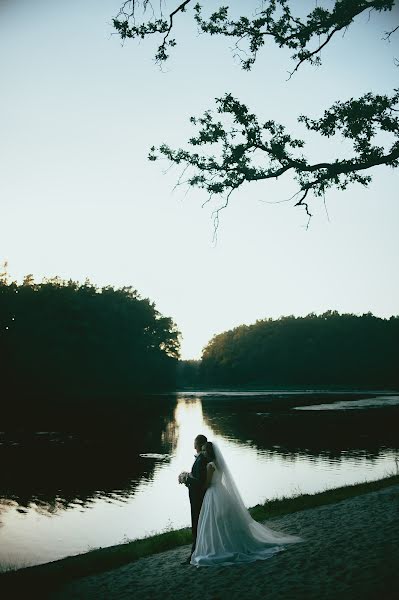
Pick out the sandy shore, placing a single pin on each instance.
(351, 550)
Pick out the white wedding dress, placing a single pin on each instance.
(227, 534)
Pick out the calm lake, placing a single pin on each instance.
(113, 476)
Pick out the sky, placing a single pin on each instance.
(79, 199)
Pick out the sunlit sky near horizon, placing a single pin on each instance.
(78, 114)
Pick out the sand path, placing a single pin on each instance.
(351, 550)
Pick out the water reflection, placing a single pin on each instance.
(66, 490)
(377, 402)
(270, 424)
(54, 470)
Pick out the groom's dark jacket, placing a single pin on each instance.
(196, 483)
(197, 479)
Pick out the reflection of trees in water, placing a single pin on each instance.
(271, 425)
(170, 434)
(96, 457)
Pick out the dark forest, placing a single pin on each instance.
(327, 349)
(62, 339)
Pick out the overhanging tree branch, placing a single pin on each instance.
(246, 151)
(125, 24)
(224, 158)
(274, 19)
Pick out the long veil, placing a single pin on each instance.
(259, 532)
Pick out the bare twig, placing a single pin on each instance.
(172, 14)
(389, 33)
(308, 56)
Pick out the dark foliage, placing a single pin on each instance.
(189, 374)
(329, 349)
(238, 147)
(62, 339)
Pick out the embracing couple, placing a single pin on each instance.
(224, 532)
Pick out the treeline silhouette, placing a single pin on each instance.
(63, 339)
(328, 349)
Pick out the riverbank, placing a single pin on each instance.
(349, 515)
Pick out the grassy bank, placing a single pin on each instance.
(104, 559)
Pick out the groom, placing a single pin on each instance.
(196, 482)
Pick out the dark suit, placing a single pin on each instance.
(196, 483)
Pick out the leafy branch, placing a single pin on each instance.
(274, 19)
(248, 151)
(227, 156)
(125, 24)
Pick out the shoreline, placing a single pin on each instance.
(278, 388)
(99, 561)
(350, 550)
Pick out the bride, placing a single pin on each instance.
(227, 534)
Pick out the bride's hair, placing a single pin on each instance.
(209, 451)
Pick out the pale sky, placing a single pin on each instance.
(78, 114)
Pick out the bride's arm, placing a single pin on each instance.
(209, 474)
